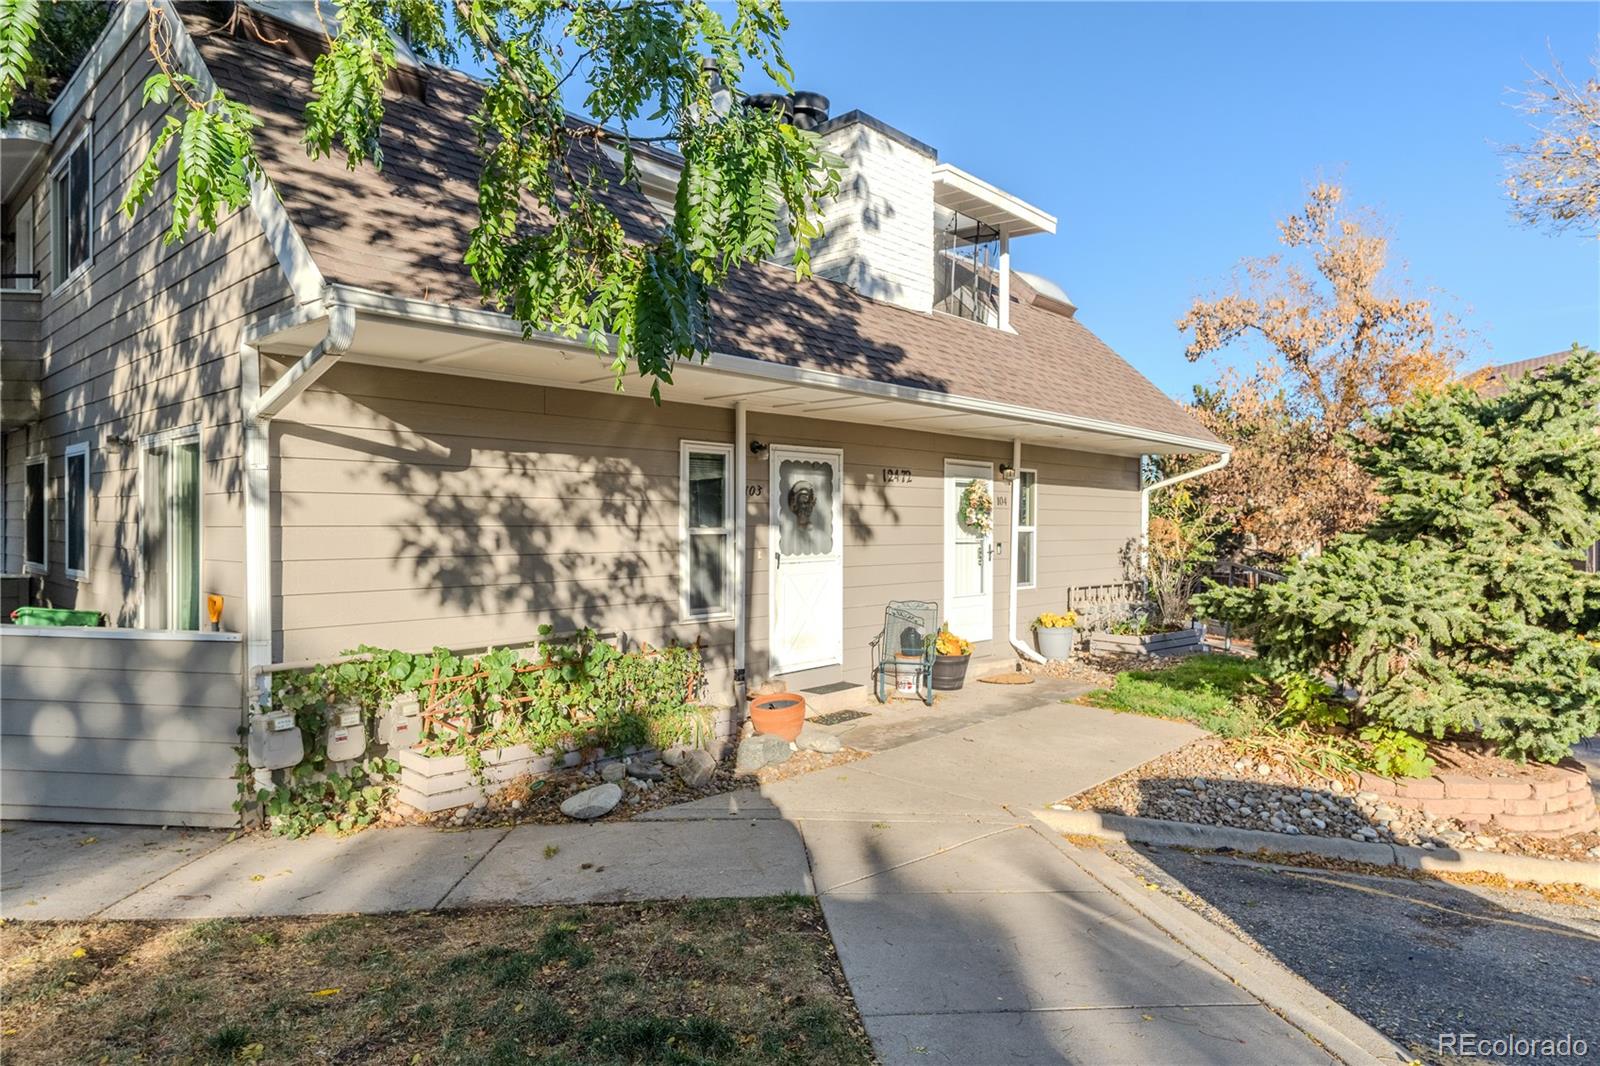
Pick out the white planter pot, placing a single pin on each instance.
(1056, 643)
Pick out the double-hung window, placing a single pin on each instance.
(36, 528)
(71, 207)
(1027, 528)
(707, 494)
(76, 494)
(170, 530)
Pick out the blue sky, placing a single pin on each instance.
(1168, 139)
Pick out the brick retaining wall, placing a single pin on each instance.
(1556, 805)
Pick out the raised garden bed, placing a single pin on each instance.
(1175, 642)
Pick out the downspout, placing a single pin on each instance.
(741, 508)
(1144, 501)
(1016, 511)
(259, 409)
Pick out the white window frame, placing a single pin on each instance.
(685, 556)
(58, 238)
(42, 566)
(182, 435)
(1033, 551)
(25, 249)
(81, 448)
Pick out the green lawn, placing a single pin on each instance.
(701, 982)
(1203, 689)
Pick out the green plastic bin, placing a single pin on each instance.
(56, 616)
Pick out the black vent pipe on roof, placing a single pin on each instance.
(810, 109)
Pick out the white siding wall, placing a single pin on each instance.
(879, 229)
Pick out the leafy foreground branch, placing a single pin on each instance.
(1461, 611)
(547, 248)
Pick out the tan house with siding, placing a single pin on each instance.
(312, 414)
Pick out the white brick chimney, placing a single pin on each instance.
(878, 231)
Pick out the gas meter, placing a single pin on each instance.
(346, 735)
(274, 742)
(400, 725)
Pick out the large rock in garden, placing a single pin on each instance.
(592, 802)
(760, 750)
(816, 740)
(646, 771)
(696, 767)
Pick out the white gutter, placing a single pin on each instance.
(494, 322)
(259, 409)
(1016, 512)
(741, 506)
(1144, 501)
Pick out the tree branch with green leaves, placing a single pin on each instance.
(548, 247)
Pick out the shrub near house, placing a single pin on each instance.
(1459, 612)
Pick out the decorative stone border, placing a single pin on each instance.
(1553, 806)
(1177, 642)
(433, 783)
(1248, 841)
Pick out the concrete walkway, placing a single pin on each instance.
(967, 934)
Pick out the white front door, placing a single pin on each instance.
(807, 562)
(968, 553)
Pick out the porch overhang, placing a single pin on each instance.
(422, 336)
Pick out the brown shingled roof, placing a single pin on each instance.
(1494, 381)
(403, 230)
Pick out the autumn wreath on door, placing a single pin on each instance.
(977, 507)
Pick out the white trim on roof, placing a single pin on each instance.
(959, 191)
(376, 303)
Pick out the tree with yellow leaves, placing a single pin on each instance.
(1337, 343)
(1554, 180)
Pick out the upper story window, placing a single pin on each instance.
(36, 523)
(71, 197)
(16, 247)
(966, 261)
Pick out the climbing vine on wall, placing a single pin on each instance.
(572, 693)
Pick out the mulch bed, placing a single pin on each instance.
(1222, 782)
(537, 801)
(1099, 669)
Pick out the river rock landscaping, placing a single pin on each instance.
(1222, 782)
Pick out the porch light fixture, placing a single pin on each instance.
(758, 448)
(1008, 472)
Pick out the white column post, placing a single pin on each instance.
(741, 450)
(1005, 279)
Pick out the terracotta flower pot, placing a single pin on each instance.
(780, 714)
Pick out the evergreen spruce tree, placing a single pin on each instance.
(1461, 611)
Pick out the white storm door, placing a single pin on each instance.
(968, 555)
(807, 559)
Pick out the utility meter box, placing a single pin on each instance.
(274, 742)
(401, 724)
(346, 736)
